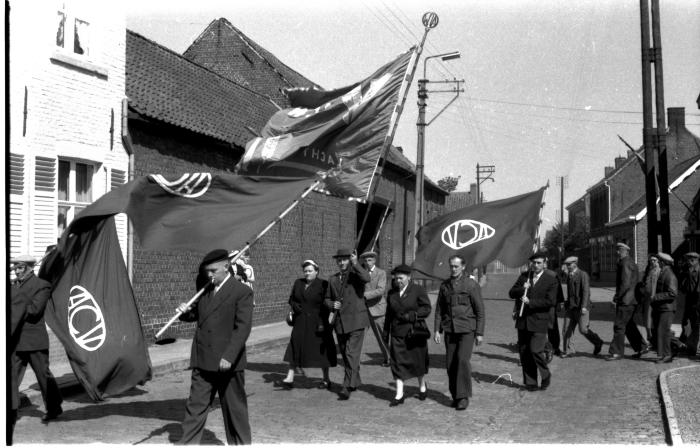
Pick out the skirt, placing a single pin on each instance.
(408, 360)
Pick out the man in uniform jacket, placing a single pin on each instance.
(33, 340)
(375, 298)
(578, 307)
(625, 305)
(663, 307)
(536, 294)
(224, 316)
(345, 299)
(459, 314)
(690, 286)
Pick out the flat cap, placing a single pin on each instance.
(24, 258)
(623, 245)
(571, 259)
(369, 253)
(402, 269)
(539, 254)
(214, 256)
(665, 257)
(692, 255)
(343, 252)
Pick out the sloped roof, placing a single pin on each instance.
(224, 49)
(163, 85)
(677, 175)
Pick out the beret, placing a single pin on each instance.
(214, 256)
(309, 262)
(538, 255)
(402, 269)
(571, 259)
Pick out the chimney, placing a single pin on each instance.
(676, 117)
(619, 161)
(608, 170)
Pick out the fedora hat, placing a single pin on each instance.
(343, 252)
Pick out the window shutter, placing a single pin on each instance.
(16, 174)
(117, 178)
(45, 175)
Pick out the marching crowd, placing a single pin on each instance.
(356, 298)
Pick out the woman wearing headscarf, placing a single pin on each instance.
(311, 344)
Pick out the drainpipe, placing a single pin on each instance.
(128, 146)
(634, 227)
(607, 185)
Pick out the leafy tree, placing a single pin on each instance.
(573, 242)
(449, 183)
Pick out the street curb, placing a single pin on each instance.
(673, 428)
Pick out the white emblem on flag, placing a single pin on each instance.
(188, 185)
(453, 235)
(85, 321)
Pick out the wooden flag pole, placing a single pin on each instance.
(381, 224)
(536, 245)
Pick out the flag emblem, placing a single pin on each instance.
(85, 321)
(455, 234)
(188, 185)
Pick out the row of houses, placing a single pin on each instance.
(93, 105)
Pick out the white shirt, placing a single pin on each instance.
(536, 277)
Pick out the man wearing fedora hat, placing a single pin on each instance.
(224, 316)
(33, 344)
(578, 306)
(345, 299)
(375, 298)
(626, 304)
(690, 286)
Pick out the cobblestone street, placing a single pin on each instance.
(590, 401)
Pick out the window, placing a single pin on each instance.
(72, 33)
(74, 190)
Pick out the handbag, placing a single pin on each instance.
(290, 318)
(419, 331)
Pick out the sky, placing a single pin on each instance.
(548, 85)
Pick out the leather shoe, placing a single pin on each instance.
(386, 364)
(284, 384)
(352, 389)
(546, 382)
(614, 358)
(664, 359)
(531, 387)
(325, 384)
(344, 393)
(598, 348)
(51, 415)
(396, 401)
(462, 404)
(423, 395)
(565, 355)
(641, 352)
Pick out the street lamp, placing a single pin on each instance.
(421, 124)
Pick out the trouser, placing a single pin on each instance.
(553, 334)
(575, 317)
(661, 331)
(693, 319)
(625, 326)
(647, 320)
(350, 345)
(458, 347)
(234, 406)
(532, 358)
(376, 323)
(39, 360)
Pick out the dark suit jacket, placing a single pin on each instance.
(543, 297)
(578, 290)
(33, 335)
(353, 311)
(666, 291)
(223, 321)
(459, 308)
(626, 279)
(402, 311)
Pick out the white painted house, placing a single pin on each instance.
(67, 83)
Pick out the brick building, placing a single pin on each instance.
(614, 208)
(187, 115)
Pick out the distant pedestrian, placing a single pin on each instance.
(459, 314)
(345, 299)
(311, 343)
(375, 299)
(577, 308)
(625, 306)
(224, 316)
(647, 291)
(535, 293)
(33, 344)
(663, 307)
(244, 270)
(690, 285)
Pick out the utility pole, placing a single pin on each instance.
(564, 182)
(483, 169)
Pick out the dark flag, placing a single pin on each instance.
(501, 230)
(93, 313)
(343, 128)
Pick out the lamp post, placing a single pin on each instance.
(421, 125)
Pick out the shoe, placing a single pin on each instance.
(531, 387)
(598, 348)
(352, 389)
(546, 382)
(285, 384)
(454, 403)
(566, 355)
(664, 359)
(344, 393)
(613, 357)
(423, 395)
(325, 384)
(51, 415)
(641, 352)
(462, 404)
(386, 364)
(396, 401)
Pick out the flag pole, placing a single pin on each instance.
(389, 138)
(381, 224)
(247, 246)
(536, 245)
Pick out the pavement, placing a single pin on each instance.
(680, 386)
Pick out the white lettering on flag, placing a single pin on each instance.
(451, 233)
(80, 303)
(188, 185)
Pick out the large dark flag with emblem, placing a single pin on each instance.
(93, 313)
(344, 128)
(501, 230)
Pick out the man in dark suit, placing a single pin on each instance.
(536, 293)
(33, 343)
(690, 286)
(375, 299)
(224, 316)
(345, 298)
(578, 307)
(626, 303)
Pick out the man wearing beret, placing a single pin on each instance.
(663, 307)
(345, 299)
(224, 315)
(375, 299)
(578, 306)
(536, 295)
(625, 305)
(32, 345)
(690, 285)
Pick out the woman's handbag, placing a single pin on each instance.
(290, 318)
(419, 331)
